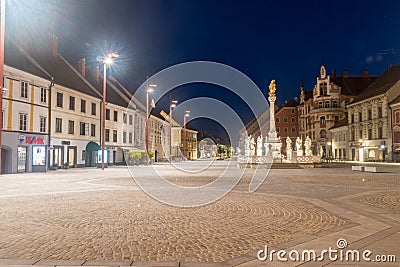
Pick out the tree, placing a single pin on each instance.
(221, 151)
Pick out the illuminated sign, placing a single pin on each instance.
(38, 155)
(31, 140)
(99, 156)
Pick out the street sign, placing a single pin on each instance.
(66, 143)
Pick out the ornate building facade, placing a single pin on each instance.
(326, 105)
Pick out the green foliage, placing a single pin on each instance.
(150, 154)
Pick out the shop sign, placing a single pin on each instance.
(30, 140)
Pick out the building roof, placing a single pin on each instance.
(381, 85)
(396, 100)
(353, 85)
(341, 123)
(45, 64)
(290, 104)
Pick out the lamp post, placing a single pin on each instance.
(187, 114)
(107, 60)
(172, 104)
(149, 89)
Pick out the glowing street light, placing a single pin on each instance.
(149, 89)
(172, 104)
(187, 114)
(107, 60)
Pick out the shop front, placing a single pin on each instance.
(24, 152)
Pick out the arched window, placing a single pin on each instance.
(323, 88)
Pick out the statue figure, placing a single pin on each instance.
(299, 147)
(272, 88)
(247, 146)
(252, 146)
(259, 146)
(321, 151)
(289, 148)
(307, 146)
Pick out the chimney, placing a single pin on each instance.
(345, 74)
(53, 44)
(82, 67)
(94, 73)
(333, 74)
(364, 74)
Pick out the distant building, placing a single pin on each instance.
(286, 121)
(369, 118)
(339, 145)
(395, 107)
(159, 137)
(326, 105)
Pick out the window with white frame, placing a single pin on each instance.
(24, 90)
(23, 121)
(43, 95)
(58, 125)
(43, 124)
(82, 128)
(93, 130)
(71, 127)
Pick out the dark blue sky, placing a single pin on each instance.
(282, 40)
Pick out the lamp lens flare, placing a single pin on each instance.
(108, 60)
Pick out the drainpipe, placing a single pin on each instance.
(49, 129)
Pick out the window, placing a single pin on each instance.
(335, 104)
(82, 128)
(360, 134)
(115, 115)
(380, 132)
(93, 130)
(286, 130)
(93, 108)
(336, 118)
(359, 116)
(277, 130)
(277, 120)
(125, 118)
(58, 125)
(369, 114)
(379, 112)
(327, 104)
(352, 118)
(72, 103)
(397, 117)
(59, 100)
(292, 110)
(108, 114)
(71, 127)
(43, 95)
(369, 134)
(293, 119)
(322, 120)
(83, 105)
(24, 90)
(285, 119)
(130, 120)
(124, 137)
(353, 135)
(320, 104)
(107, 135)
(22, 121)
(43, 124)
(115, 136)
(323, 88)
(293, 129)
(130, 138)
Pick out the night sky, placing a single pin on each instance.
(282, 40)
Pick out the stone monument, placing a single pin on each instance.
(289, 149)
(273, 144)
(252, 146)
(259, 146)
(299, 146)
(307, 146)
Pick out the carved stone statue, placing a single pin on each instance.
(307, 146)
(252, 146)
(299, 146)
(272, 88)
(259, 146)
(247, 146)
(289, 148)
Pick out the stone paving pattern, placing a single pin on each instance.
(122, 225)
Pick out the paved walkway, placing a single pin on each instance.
(93, 218)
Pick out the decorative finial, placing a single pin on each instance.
(272, 88)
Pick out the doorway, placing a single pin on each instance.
(21, 159)
(71, 156)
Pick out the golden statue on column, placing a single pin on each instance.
(272, 88)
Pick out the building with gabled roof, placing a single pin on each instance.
(369, 118)
(395, 111)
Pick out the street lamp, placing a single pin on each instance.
(172, 104)
(107, 61)
(149, 89)
(187, 114)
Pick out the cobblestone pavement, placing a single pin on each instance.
(89, 215)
